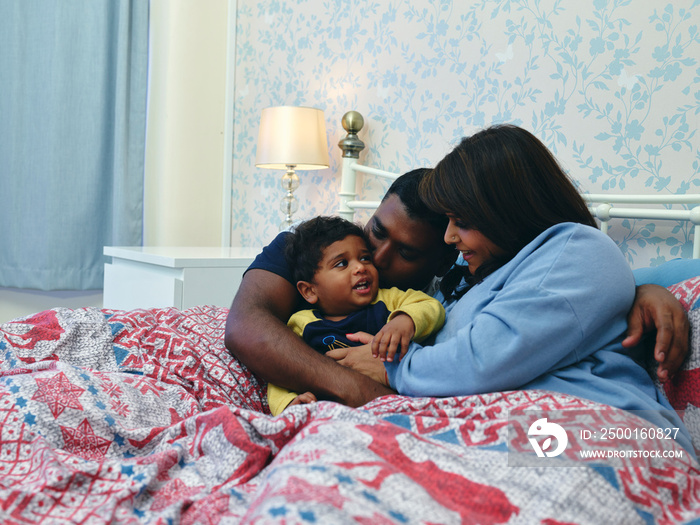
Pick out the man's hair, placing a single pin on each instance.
(406, 189)
(304, 246)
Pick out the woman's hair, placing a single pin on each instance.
(506, 184)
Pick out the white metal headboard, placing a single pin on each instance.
(600, 205)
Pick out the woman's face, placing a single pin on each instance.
(475, 248)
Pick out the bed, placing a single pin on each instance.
(143, 416)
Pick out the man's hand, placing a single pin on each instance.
(656, 308)
(360, 359)
(395, 335)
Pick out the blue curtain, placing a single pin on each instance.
(73, 89)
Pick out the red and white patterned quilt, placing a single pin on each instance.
(144, 417)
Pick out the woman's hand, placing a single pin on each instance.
(656, 308)
(359, 358)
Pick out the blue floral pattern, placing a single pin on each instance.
(612, 87)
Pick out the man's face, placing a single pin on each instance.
(408, 253)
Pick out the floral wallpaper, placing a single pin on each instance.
(611, 86)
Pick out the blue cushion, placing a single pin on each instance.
(668, 273)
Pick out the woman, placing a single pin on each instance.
(542, 297)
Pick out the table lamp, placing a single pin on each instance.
(291, 138)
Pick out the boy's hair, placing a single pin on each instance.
(304, 246)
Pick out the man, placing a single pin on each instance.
(409, 252)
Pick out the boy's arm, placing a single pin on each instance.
(257, 335)
(279, 398)
(299, 320)
(394, 336)
(427, 313)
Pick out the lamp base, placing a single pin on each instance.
(289, 204)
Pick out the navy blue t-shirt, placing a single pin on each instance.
(324, 335)
(273, 260)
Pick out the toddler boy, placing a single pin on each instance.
(334, 273)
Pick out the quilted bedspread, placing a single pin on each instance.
(144, 417)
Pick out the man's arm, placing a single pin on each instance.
(257, 335)
(656, 308)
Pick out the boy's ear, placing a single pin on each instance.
(307, 291)
(448, 259)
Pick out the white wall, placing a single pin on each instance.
(185, 149)
(189, 121)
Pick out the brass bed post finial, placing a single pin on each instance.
(351, 145)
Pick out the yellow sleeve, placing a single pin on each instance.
(278, 398)
(298, 321)
(426, 312)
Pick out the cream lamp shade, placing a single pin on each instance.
(292, 136)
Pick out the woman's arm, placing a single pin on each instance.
(257, 334)
(542, 311)
(654, 308)
(505, 346)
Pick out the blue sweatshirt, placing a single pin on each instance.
(552, 318)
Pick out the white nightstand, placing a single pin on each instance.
(158, 277)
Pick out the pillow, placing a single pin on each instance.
(668, 273)
(688, 293)
(683, 391)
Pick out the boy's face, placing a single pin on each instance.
(346, 279)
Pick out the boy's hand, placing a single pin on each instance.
(303, 399)
(395, 335)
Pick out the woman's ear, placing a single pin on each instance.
(307, 291)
